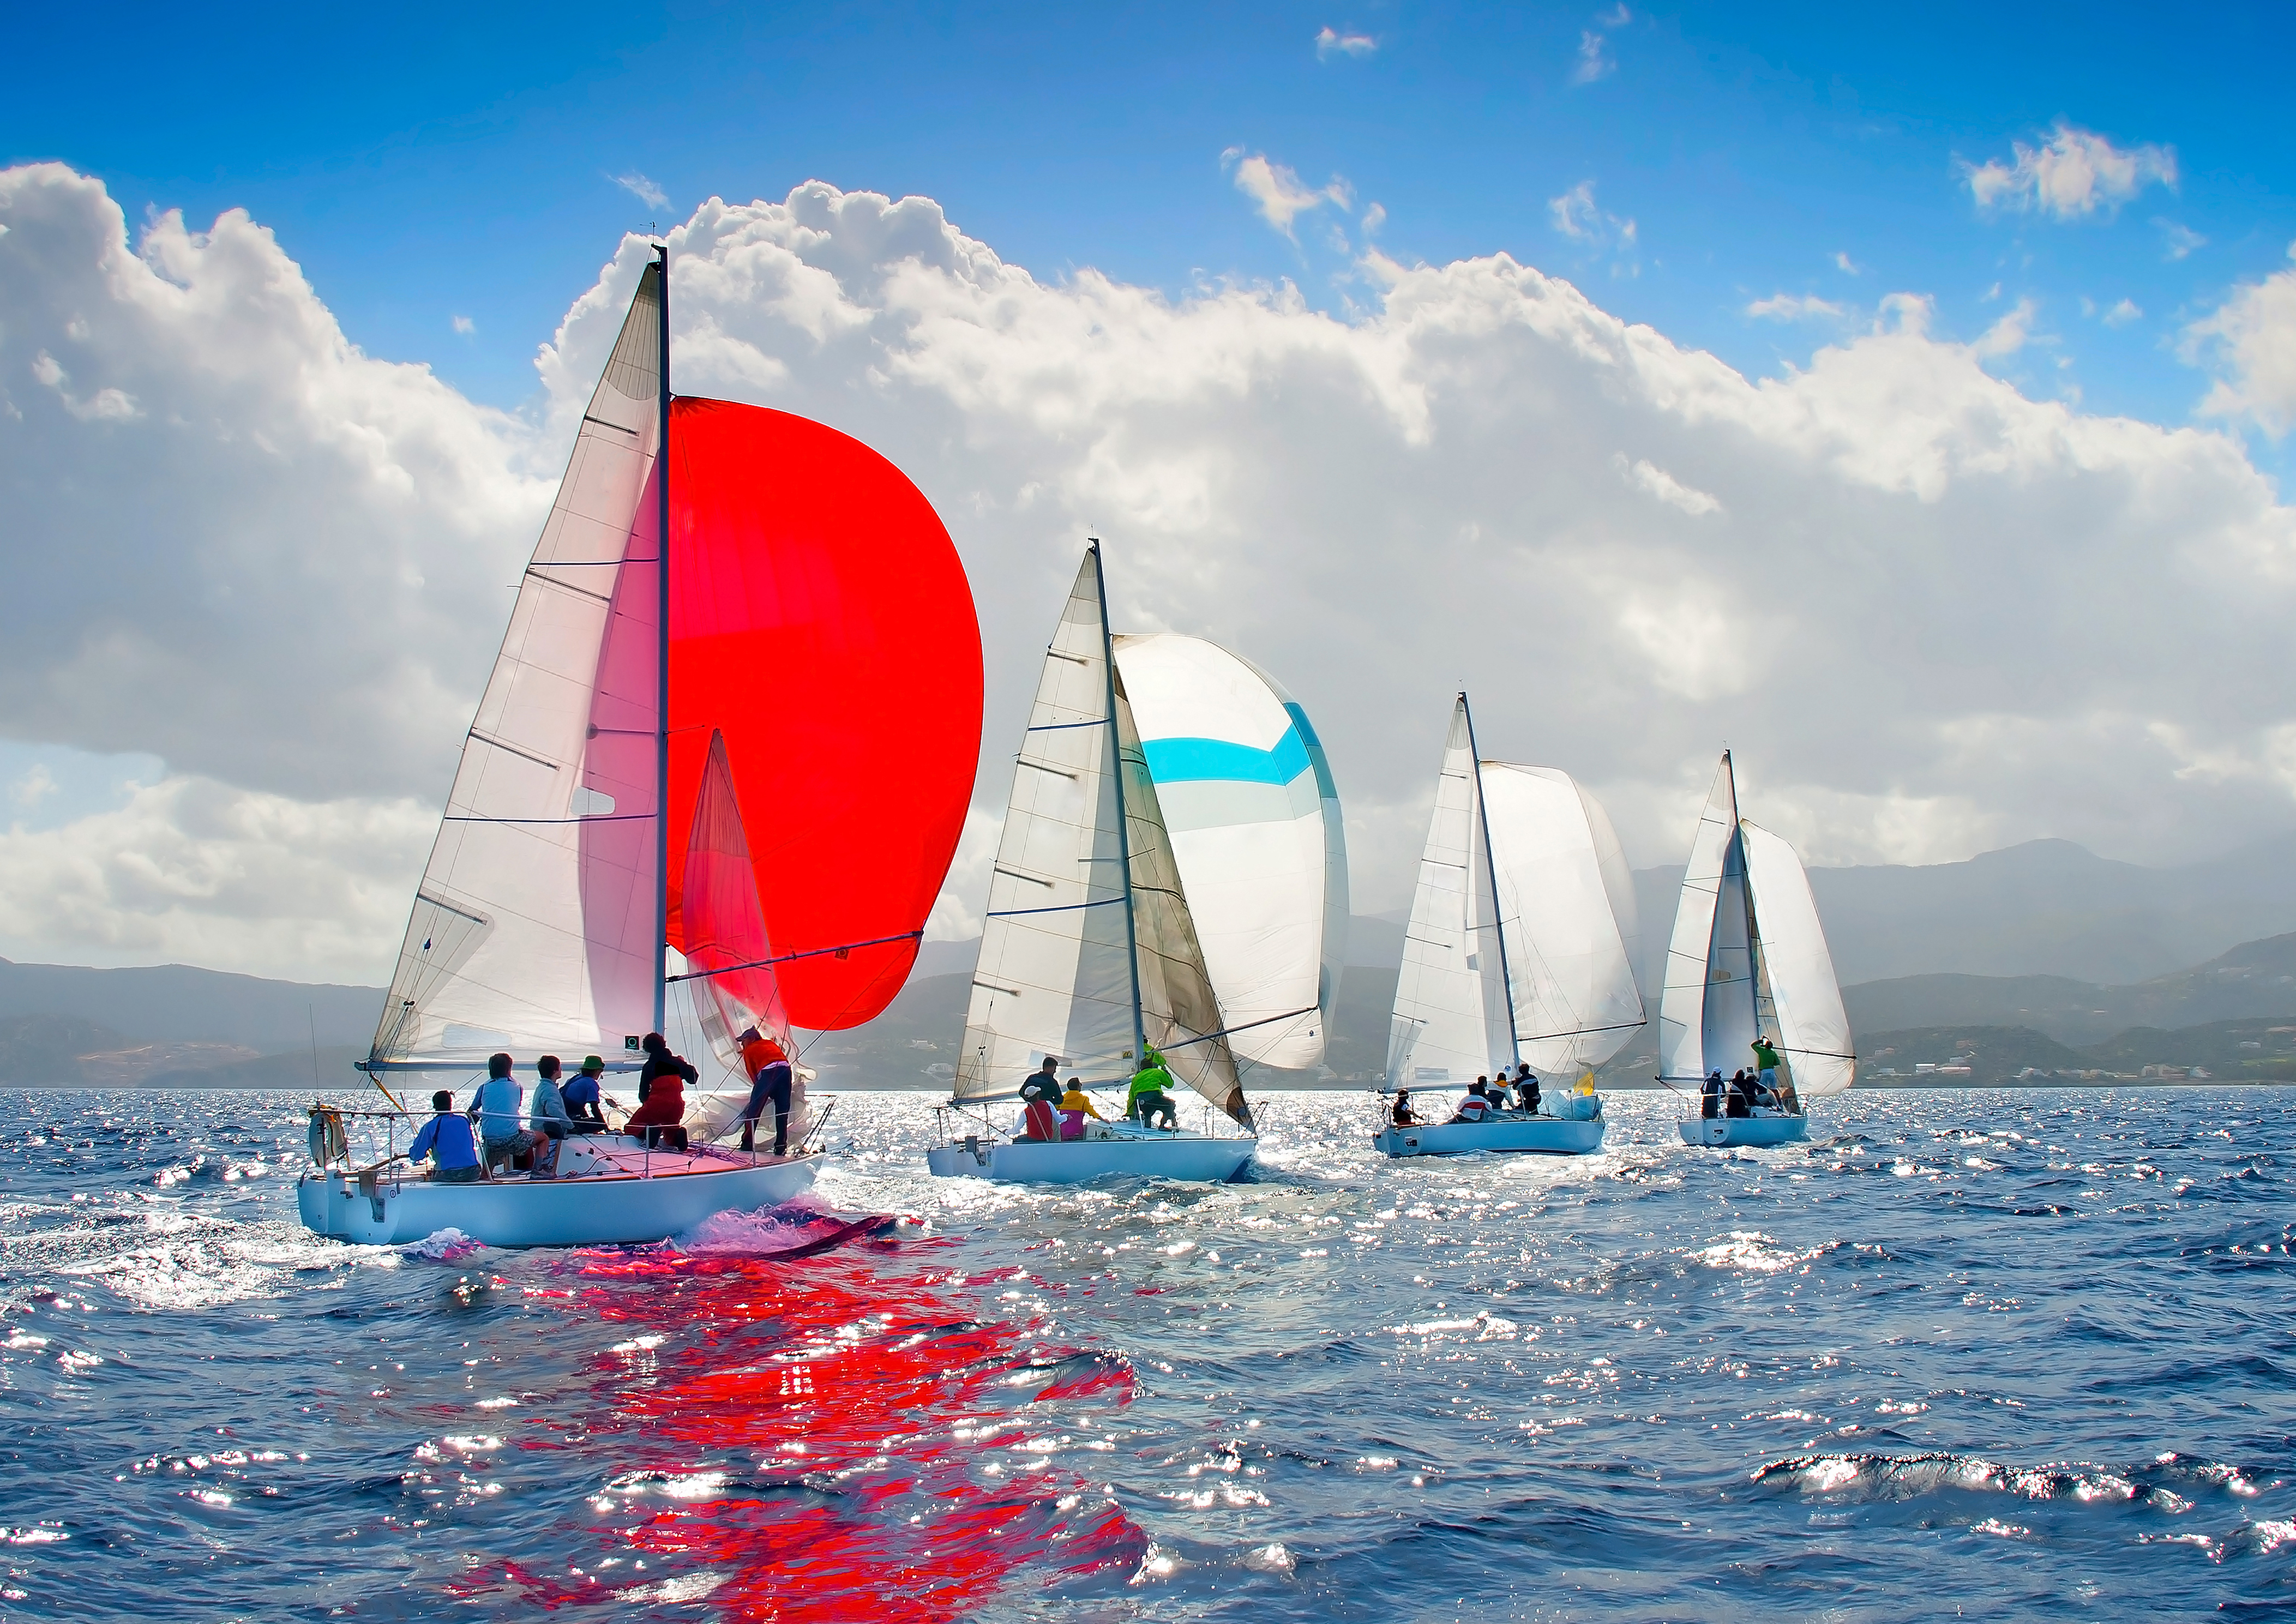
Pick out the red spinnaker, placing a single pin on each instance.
(821, 621)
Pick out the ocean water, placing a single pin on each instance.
(2017, 1354)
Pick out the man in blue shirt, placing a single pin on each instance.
(446, 1139)
(499, 1108)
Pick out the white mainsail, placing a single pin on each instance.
(1451, 1021)
(1255, 825)
(1566, 913)
(1813, 1029)
(537, 924)
(1682, 1014)
(1088, 947)
(1748, 957)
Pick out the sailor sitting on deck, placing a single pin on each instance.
(548, 1117)
(1742, 1094)
(661, 1104)
(1076, 1105)
(1474, 1107)
(496, 1107)
(1147, 1097)
(580, 1093)
(446, 1139)
(1403, 1116)
(1710, 1094)
(1040, 1092)
(1526, 1088)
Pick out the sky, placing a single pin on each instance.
(1902, 399)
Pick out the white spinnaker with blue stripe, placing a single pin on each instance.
(1255, 824)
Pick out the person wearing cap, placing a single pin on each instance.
(580, 1093)
(445, 1140)
(769, 1080)
(1405, 1116)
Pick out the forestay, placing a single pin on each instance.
(1254, 821)
(728, 948)
(1566, 909)
(1813, 1029)
(534, 927)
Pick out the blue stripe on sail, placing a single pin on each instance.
(1196, 760)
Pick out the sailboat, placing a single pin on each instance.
(1089, 953)
(1749, 959)
(1516, 953)
(674, 794)
(1254, 818)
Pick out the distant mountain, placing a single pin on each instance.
(178, 1004)
(2254, 978)
(2047, 908)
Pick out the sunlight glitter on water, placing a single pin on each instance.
(1653, 1380)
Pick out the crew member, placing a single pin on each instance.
(497, 1109)
(1147, 1096)
(580, 1093)
(661, 1106)
(548, 1117)
(1526, 1086)
(1040, 1094)
(445, 1140)
(769, 1081)
(1076, 1105)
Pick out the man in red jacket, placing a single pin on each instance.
(663, 1108)
(769, 1081)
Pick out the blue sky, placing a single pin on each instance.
(448, 162)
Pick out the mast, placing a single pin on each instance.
(1746, 900)
(1123, 829)
(1491, 869)
(662, 690)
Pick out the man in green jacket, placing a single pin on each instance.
(1146, 1097)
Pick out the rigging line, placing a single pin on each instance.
(1268, 1020)
(1591, 1032)
(1066, 908)
(784, 958)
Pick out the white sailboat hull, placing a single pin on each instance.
(1189, 1157)
(1757, 1131)
(623, 1196)
(1547, 1136)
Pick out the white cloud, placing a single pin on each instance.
(1331, 43)
(1575, 215)
(2180, 240)
(1594, 61)
(2252, 339)
(465, 326)
(2073, 175)
(1373, 218)
(1792, 307)
(35, 786)
(1277, 191)
(1655, 481)
(1930, 612)
(2122, 314)
(639, 187)
(1842, 262)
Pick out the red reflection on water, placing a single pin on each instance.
(839, 1438)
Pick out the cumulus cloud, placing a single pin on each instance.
(2070, 175)
(1331, 43)
(2252, 337)
(2179, 240)
(1792, 307)
(2123, 313)
(1277, 191)
(1843, 263)
(639, 187)
(1931, 613)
